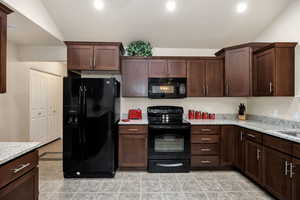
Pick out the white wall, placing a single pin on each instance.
(285, 28)
(36, 12)
(14, 105)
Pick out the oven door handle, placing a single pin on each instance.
(170, 165)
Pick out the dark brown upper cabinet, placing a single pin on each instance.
(205, 78)
(134, 77)
(100, 56)
(4, 11)
(161, 68)
(238, 68)
(274, 70)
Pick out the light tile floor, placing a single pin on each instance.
(201, 185)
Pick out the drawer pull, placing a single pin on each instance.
(205, 161)
(205, 129)
(133, 129)
(16, 170)
(250, 135)
(170, 165)
(206, 139)
(205, 149)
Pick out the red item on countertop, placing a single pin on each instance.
(204, 115)
(212, 116)
(191, 114)
(198, 115)
(135, 114)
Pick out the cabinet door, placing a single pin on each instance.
(253, 162)
(296, 179)
(177, 68)
(25, 187)
(80, 57)
(133, 151)
(196, 78)
(275, 173)
(106, 58)
(135, 78)
(158, 68)
(237, 72)
(214, 78)
(264, 67)
(240, 150)
(227, 145)
(3, 41)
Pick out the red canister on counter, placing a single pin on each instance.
(204, 115)
(198, 115)
(212, 116)
(191, 114)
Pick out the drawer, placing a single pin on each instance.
(205, 149)
(278, 144)
(205, 161)
(206, 130)
(138, 129)
(18, 167)
(254, 136)
(296, 150)
(205, 139)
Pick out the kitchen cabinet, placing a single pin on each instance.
(134, 77)
(133, 147)
(295, 175)
(98, 56)
(4, 11)
(276, 177)
(228, 134)
(164, 67)
(239, 161)
(253, 161)
(205, 78)
(205, 146)
(274, 70)
(19, 178)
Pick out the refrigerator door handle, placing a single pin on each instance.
(79, 96)
(84, 95)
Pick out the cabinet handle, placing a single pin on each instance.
(205, 129)
(206, 139)
(170, 165)
(286, 168)
(204, 91)
(258, 154)
(241, 135)
(271, 87)
(292, 167)
(250, 135)
(205, 161)
(94, 61)
(205, 149)
(91, 62)
(227, 89)
(16, 170)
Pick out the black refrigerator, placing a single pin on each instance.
(91, 111)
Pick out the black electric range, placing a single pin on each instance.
(169, 142)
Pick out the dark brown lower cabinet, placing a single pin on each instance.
(228, 134)
(253, 160)
(239, 161)
(276, 177)
(133, 151)
(25, 187)
(295, 174)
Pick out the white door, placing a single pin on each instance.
(45, 101)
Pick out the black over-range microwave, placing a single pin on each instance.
(166, 88)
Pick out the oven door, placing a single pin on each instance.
(166, 88)
(169, 142)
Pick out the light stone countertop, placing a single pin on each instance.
(250, 124)
(12, 150)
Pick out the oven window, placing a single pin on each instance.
(165, 89)
(169, 143)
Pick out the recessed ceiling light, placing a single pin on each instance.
(99, 5)
(241, 7)
(171, 5)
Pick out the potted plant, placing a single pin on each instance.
(139, 48)
(242, 112)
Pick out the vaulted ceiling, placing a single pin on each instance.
(193, 24)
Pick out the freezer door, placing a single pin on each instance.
(98, 148)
